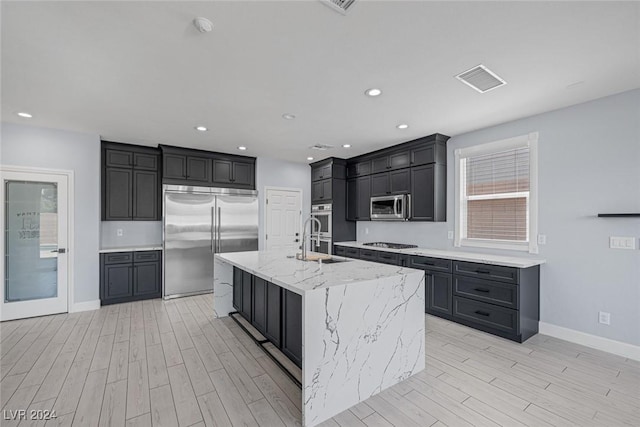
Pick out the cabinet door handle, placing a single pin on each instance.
(482, 313)
(486, 291)
(483, 271)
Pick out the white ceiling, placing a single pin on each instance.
(139, 72)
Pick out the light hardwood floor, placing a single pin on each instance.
(172, 364)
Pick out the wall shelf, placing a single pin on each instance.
(619, 215)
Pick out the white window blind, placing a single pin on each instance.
(494, 194)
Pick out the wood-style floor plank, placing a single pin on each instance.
(172, 363)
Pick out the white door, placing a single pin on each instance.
(34, 264)
(283, 211)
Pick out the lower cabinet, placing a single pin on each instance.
(292, 326)
(438, 298)
(130, 276)
(275, 312)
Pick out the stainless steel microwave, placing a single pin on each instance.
(391, 208)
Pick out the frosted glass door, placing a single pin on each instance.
(33, 247)
(31, 241)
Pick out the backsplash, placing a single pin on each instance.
(134, 233)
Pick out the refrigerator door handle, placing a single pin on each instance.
(213, 216)
(219, 229)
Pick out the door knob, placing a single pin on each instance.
(60, 250)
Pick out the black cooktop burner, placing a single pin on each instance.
(390, 245)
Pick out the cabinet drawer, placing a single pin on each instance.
(339, 250)
(486, 271)
(146, 256)
(368, 255)
(428, 263)
(352, 252)
(503, 294)
(404, 260)
(388, 258)
(118, 258)
(499, 318)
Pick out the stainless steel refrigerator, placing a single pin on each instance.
(198, 223)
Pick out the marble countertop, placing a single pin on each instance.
(304, 276)
(130, 249)
(507, 261)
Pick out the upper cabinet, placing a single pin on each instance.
(130, 183)
(390, 161)
(195, 167)
(416, 167)
(325, 175)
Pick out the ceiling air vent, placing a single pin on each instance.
(321, 147)
(340, 6)
(481, 79)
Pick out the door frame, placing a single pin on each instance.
(69, 174)
(266, 196)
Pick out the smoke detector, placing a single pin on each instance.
(203, 24)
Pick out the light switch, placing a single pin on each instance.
(618, 242)
(119, 232)
(450, 235)
(542, 239)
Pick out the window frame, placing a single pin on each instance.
(530, 140)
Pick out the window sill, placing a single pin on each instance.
(497, 244)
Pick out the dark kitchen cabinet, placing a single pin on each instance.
(130, 276)
(357, 169)
(321, 191)
(117, 281)
(247, 288)
(233, 174)
(184, 166)
(198, 169)
(191, 169)
(292, 326)
(273, 329)
(438, 298)
(175, 166)
(363, 197)
(387, 183)
(429, 193)
(130, 183)
(117, 195)
(146, 278)
(146, 194)
(237, 289)
(390, 161)
(359, 198)
(259, 309)
(322, 171)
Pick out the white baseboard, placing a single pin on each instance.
(605, 344)
(85, 306)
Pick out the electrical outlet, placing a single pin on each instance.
(604, 318)
(366, 230)
(616, 242)
(119, 232)
(542, 239)
(450, 235)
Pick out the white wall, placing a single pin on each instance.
(589, 162)
(134, 233)
(280, 173)
(56, 149)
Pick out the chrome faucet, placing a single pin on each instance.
(304, 236)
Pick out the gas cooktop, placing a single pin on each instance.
(390, 245)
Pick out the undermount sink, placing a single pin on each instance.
(331, 260)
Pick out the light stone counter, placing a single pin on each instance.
(507, 261)
(130, 249)
(363, 324)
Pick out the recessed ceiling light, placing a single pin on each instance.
(242, 148)
(402, 126)
(373, 92)
(201, 128)
(309, 158)
(288, 116)
(25, 115)
(346, 145)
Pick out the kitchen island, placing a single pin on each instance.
(363, 323)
